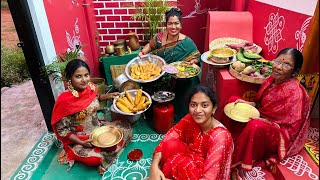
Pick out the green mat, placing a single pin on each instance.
(41, 163)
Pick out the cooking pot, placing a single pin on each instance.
(120, 50)
(110, 49)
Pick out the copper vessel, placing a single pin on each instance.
(133, 41)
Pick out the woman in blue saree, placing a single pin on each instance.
(173, 46)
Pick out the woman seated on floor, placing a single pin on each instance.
(75, 116)
(284, 108)
(198, 147)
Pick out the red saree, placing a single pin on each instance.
(286, 107)
(189, 154)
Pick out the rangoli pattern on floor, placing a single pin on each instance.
(35, 157)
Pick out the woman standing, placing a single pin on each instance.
(74, 117)
(173, 46)
(284, 107)
(198, 147)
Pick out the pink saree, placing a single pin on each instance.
(189, 154)
(286, 108)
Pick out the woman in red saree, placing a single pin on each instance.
(284, 107)
(198, 147)
(74, 116)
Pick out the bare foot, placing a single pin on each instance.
(101, 170)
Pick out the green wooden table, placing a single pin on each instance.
(106, 62)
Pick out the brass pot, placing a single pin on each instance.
(120, 42)
(120, 50)
(110, 49)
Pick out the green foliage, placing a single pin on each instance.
(4, 4)
(14, 68)
(56, 68)
(151, 13)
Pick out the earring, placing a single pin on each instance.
(72, 90)
(91, 86)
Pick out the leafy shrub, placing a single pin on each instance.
(4, 4)
(14, 69)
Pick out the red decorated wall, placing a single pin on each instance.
(113, 18)
(276, 26)
(70, 25)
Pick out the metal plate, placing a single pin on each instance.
(204, 58)
(106, 136)
(184, 74)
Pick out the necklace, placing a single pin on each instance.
(165, 46)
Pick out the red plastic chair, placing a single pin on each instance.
(228, 24)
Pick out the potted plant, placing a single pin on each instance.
(151, 14)
(56, 68)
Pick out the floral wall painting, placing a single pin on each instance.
(273, 32)
(74, 40)
(198, 10)
(301, 35)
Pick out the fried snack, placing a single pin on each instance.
(139, 103)
(145, 71)
(129, 97)
(143, 106)
(126, 100)
(138, 96)
(122, 107)
(126, 104)
(142, 99)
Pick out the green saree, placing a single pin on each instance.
(183, 50)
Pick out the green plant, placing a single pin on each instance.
(4, 4)
(56, 68)
(14, 68)
(151, 14)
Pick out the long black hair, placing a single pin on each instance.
(73, 65)
(296, 56)
(204, 89)
(173, 12)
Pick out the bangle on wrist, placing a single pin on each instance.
(142, 52)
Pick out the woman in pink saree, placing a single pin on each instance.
(284, 107)
(198, 147)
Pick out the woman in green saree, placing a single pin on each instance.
(173, 46)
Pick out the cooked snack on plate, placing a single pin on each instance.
(131, 102)
(145, 71)
(221, 55)
(185, 70)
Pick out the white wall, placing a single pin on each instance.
(306, 7)
(40, 21)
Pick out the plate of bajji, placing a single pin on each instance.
(132, 102)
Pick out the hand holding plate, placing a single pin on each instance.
(87, 143)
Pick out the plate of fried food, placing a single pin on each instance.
(146, 69)
(184, 70)
(132, 102)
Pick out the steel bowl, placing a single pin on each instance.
(151, 59)
(133, 93)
